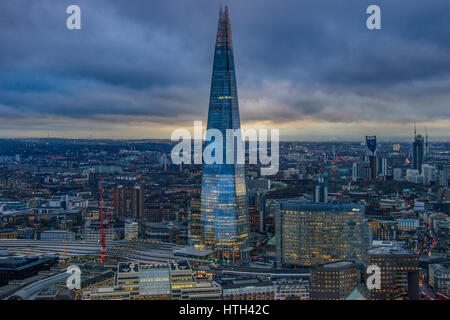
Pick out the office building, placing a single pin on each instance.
(127, 277)
(131, 230)
(408, 224)
(443, 175)
(57, 235)
(360, 171)
(291, 289)
(185, 286)
(316, 233)
(259, 184)
(170, 232)
(382, 166)
(429, 174)
(256, 209)
(91, 231)
(223, 198)
(21, 267)
(247, 289)
(414, 176)
(321, 190)
(333, 281)
(397, 174)
(399, 273)
(105, 293)
(160, 212)
(439, 278)
(195, 226)
(154, 281)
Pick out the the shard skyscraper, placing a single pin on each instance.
(224, 209)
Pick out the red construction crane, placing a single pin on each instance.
(104, 230)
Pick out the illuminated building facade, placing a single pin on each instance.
(131, 230)
(185, 286)
(224, 201)
(127, 277)
(399, 273)
(310, 233)
(333, 281)
(154, 281)
(195, 226)
(256, 210)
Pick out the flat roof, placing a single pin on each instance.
(20, 263)
(179, 265)
(389, 250)
(242, 283)
(339, 264)
(192, 251)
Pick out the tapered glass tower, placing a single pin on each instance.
(224, 201)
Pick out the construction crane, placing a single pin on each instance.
(104, 230)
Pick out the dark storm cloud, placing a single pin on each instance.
(150, 60)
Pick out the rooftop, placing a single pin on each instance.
(191, 251)
(389, 250)
(231, 283)
(179, 265)
(340, 264)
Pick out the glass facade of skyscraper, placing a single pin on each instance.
(418, 152)
(195, 227)
(316, 233)
(223, 201)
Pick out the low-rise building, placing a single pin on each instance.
(57, 235)
(247, 289)
(439, 278)
(291, 289)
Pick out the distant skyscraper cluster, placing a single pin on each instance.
(373, 167)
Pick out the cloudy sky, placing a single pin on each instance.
(142, 68)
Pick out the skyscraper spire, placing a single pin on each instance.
(415, 132)
(224, 30)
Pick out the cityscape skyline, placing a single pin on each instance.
(333, 79)
(352, 204)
